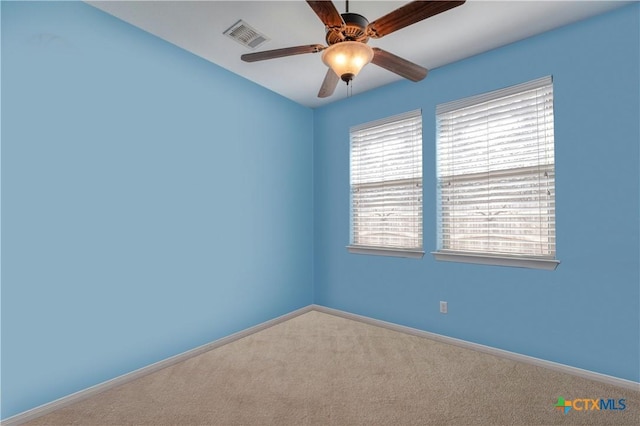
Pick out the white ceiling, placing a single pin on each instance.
(475, 27)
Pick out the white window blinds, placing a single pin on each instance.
(495, 169)
(386, 186)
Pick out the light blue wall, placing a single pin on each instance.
(586, 313)
(151, 201)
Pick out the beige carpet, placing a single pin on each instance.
(319, 369)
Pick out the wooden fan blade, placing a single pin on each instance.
(408, 14)
(279, 53)
(327, 13)
(329, 84)
(396, 64)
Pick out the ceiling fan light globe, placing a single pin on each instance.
(347, 58)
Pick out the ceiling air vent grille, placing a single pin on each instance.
(246, 35)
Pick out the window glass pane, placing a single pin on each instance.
(495, 168)
(386, 183)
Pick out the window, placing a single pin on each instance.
(386, 186)
(496, 181)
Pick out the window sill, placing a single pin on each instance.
(487, 259)
(382, 251)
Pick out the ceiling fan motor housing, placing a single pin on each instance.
(355, 29)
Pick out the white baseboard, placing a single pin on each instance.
(101, 387)
(562, 368)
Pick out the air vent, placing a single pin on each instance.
(246, 35)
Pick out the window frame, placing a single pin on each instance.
(547, 262)
(416, 252)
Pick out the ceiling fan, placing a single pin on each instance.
(347, 35)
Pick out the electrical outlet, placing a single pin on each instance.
(443, 307)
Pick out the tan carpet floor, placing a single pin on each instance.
(319, 369)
